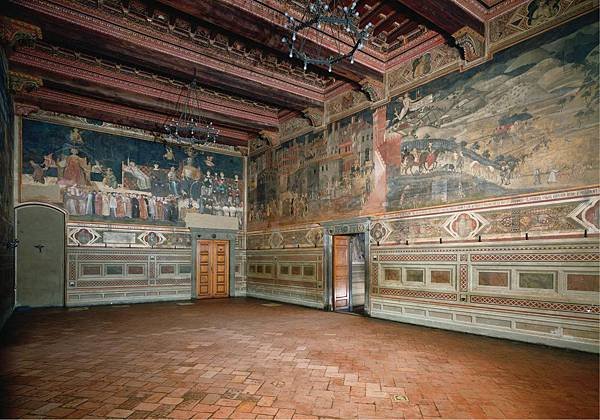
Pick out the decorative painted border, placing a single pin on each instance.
(535, 257)
(536, 304)
(416, 294)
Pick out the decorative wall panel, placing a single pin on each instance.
(518, 285)
(293, 274)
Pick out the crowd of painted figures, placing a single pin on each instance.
(146, 193)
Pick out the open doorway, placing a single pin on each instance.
(348, 273)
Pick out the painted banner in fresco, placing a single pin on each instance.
(98, 176)
(525, 122)
(324, 174)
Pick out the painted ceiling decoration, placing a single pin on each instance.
(125, 62)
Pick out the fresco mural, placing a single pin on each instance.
(97, 176)
(527, 121)
(317, 175)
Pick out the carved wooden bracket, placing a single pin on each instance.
(373, 88)
(314, 115)
(23, 82)
(15, 32)
(471, 43)
(25, 109)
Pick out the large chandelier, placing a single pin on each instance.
(190, 127)
(325, 21)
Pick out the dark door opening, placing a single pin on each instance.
(348, 273)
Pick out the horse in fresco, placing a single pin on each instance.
(415, 163)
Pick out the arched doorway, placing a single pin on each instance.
(40, 258)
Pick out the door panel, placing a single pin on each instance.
(221, 266)
(40, 256)
(341, 272)
(212, 269)
(203, 274)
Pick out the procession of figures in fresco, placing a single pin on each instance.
(524, 122)
(325, 173)
(101, 176)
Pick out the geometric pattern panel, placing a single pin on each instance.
(536, 304)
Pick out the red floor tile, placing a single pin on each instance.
(238, 359)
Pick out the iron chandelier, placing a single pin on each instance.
(190, 127)
(326, 19)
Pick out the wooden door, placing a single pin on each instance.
(212, 269)
(341, 272)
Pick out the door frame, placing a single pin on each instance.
(345, 227)
(214, 234)
(65, 221)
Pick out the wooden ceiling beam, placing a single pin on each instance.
(445, 15)
(267, 30)
(99, 78)
(223, 62)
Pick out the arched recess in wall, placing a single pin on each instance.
(40, 229)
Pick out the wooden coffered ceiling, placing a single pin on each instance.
(124, 61)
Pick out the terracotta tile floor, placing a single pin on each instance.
(239, 359)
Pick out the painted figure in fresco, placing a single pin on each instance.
(135, 207)
(142, 180)
(169, 155)
(539, 11)
(106, 204)
(537, 177)
(110, 180)
(39, 172)
(209, 161)
(75, 137)
(422, 65)
(552, 176)
(90, 203)
(98, 203)
(189, 174)
(159, 181)
(112, 205)
(173, 181)
(75, 170)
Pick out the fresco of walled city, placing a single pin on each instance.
(527, 121)
(325, 173)
(98, 176)
(524, 122)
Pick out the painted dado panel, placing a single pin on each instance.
(105, 177)
(288, 275)
(119, 275)
(536, 291)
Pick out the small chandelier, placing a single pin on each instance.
(190, 128)
(326, 18)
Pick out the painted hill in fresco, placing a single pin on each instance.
(525, 122)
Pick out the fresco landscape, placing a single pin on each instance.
(524, 122)
(325, 173)
(100, 176)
